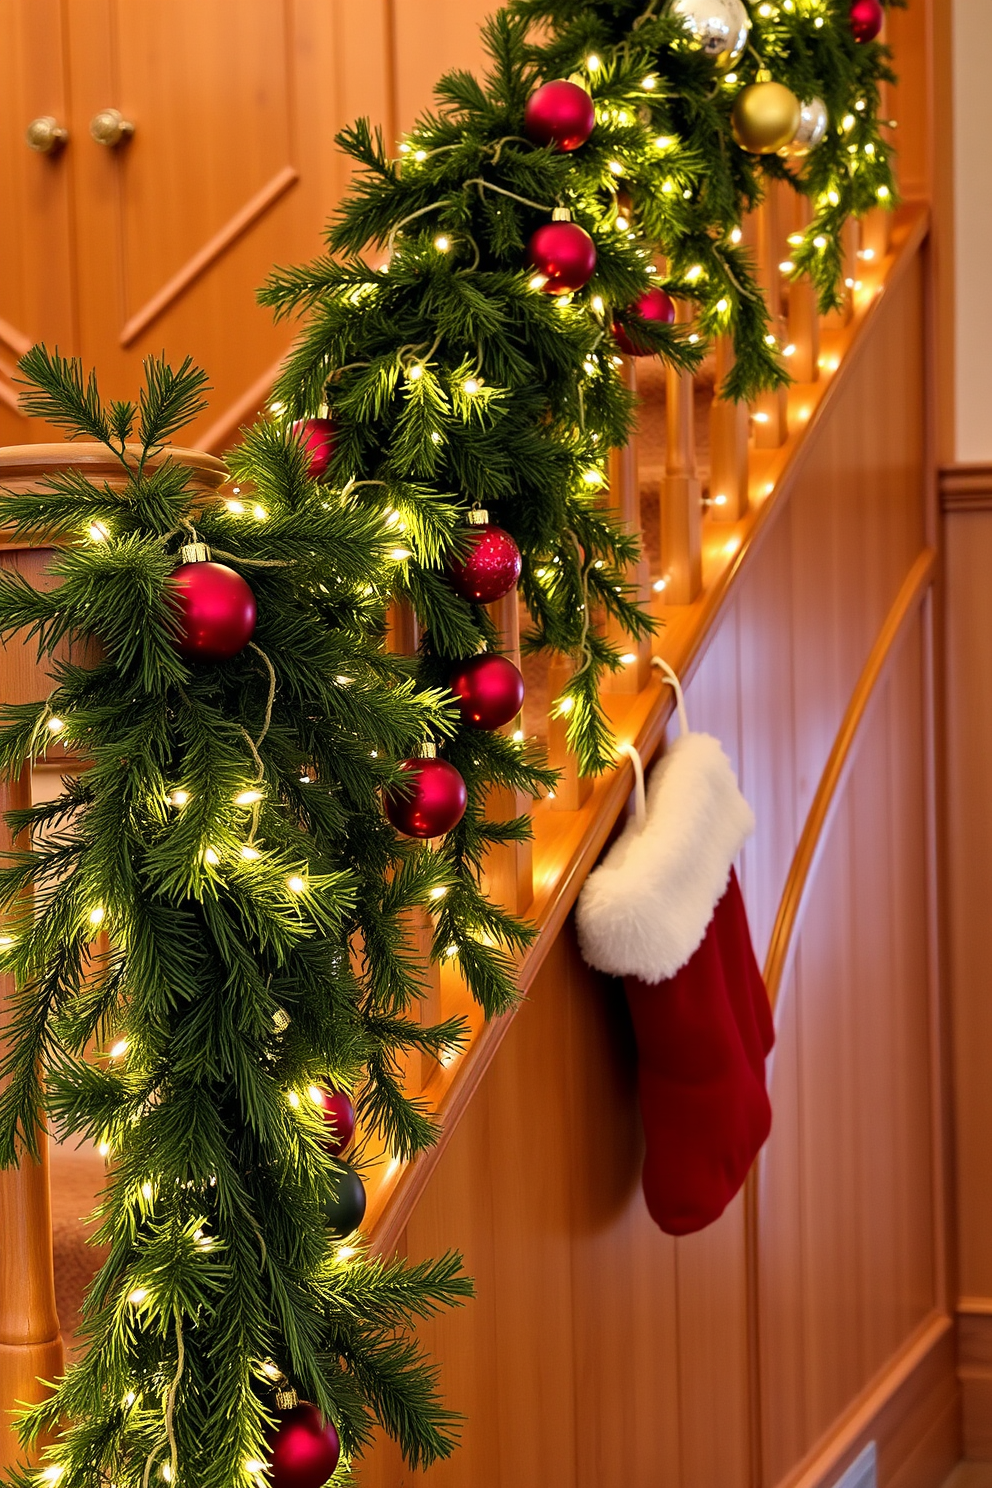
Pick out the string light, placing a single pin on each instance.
(296, 884)
(55, 725)
(566, 705)
(5, 941)
(471, 385)
(180, 798)
(137, 1296)
(736, 235)
(786, 266)
(883, 193)
(441, 243)
(250, 854)
(615, 167)
(97, 914)
(722, 306)
(439, 892)
(415, 371)
(344, 1253)
(819, 241)
(592, 63)
(119, 1048)
(649, 82)
(99, 532)
(398, 554)
(248, 797)
(628, 658)
(259, 513)
(146, 1190)
(210, 857)
(696, 272)
(293, 1098)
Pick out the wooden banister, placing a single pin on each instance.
(30, 1341)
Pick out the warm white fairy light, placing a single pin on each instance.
(537, 281)
(5, 941)
(789, 350)
(210, 857)
(720, 500)
(344, 1253)
(722, 306)
(616, 167)
(236, 507)
(883, 193)
(770, 340)
(471, 385)
(96, 914)
(104, 1149)
(398, 554)
(819, 241)
(119, 1048)
(293, 1098)
(736, 235)
(259, 513)
(592, 63)
(137, 1296)
(420, 155)
(180, 798)
(295, 884)
(622, 224)
(694, 273)
(415, 372)
(566, 705)
(786, 266)
(438, 892)
(628, 658)
(649, 82)
(248, 797)
(99, 531)
(55, 725)
(250, 854)
(146, 1190)
(442, 243)
(761, 418)
(664, 142)
(518, 736)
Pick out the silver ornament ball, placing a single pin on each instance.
(812, 127)
(717, 27)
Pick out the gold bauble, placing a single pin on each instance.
(765, 116)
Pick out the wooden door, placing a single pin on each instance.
(36, 301)
(231, 168)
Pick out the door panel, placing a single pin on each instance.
(35, 217)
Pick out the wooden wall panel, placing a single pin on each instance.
(431, 37)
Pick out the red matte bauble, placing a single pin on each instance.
(303, 1448)
(565, 254)
(434, 805)
(560, 113)
(339, 1119)
(317, 436)
(654, 305)
(216, 608)
(867, 19)
(491, 567)
(489, 689)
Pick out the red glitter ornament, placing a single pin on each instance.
(560, 113)
(434, 805)
(489, 689)
(491, 567)
(318, 438)
(303, 1448)
(654, 305)
(867, 19)
(339, 1118)
(215, 606)
(563, 253)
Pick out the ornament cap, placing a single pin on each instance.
(478, 517)
(427, 750)
(281, 1020)
(762, 75)
(194, 552)
(287, 1399)
(561, 214)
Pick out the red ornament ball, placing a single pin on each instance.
(560, 113)
(216, 609)
(565, 254)
(317, 436)
(867, 19)
(491, 567)
(303, 1448)
(339, 1118)
(434, 805)
(489, 689)
(654, 305)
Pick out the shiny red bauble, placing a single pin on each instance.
(564, 254)
(317, 436)
(490, 568)
(303, 1448)
(867, 19)
(654, 305)
(216, 609)
(339, 1119)
(435, 802)
(560, 113)
(489, 689)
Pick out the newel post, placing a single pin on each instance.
(30, 1341)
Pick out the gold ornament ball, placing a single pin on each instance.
(765, 116)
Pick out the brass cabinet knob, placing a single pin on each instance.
(109, 127)
(46, 135)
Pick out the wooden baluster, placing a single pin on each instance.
(625, 506)
(681, 495)
(764, 232)
(509, 865)
(876, 225)
(804, 318)
(30, 1341)
(729, 424)
(403, 639)
(851, 243)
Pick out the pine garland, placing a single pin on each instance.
(453, 380)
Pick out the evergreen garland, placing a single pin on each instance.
(453, 380)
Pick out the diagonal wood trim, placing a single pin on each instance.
(965, 488)
(211, 250)
(222, 431)
(814, 833)
(13, 339)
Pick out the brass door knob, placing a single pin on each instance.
(109, 127)
(46, 135)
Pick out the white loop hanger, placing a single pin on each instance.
(640, 796)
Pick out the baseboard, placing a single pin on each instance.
(911, 1410)
(965, 488)
(975, 1373)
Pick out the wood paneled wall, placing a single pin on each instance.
(967, 501)
(814, 1314)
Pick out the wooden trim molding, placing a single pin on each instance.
(965, 488)
(793, 902)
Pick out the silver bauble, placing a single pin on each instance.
(812, 127)
(717, 27)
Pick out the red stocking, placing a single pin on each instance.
(703, 1035)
